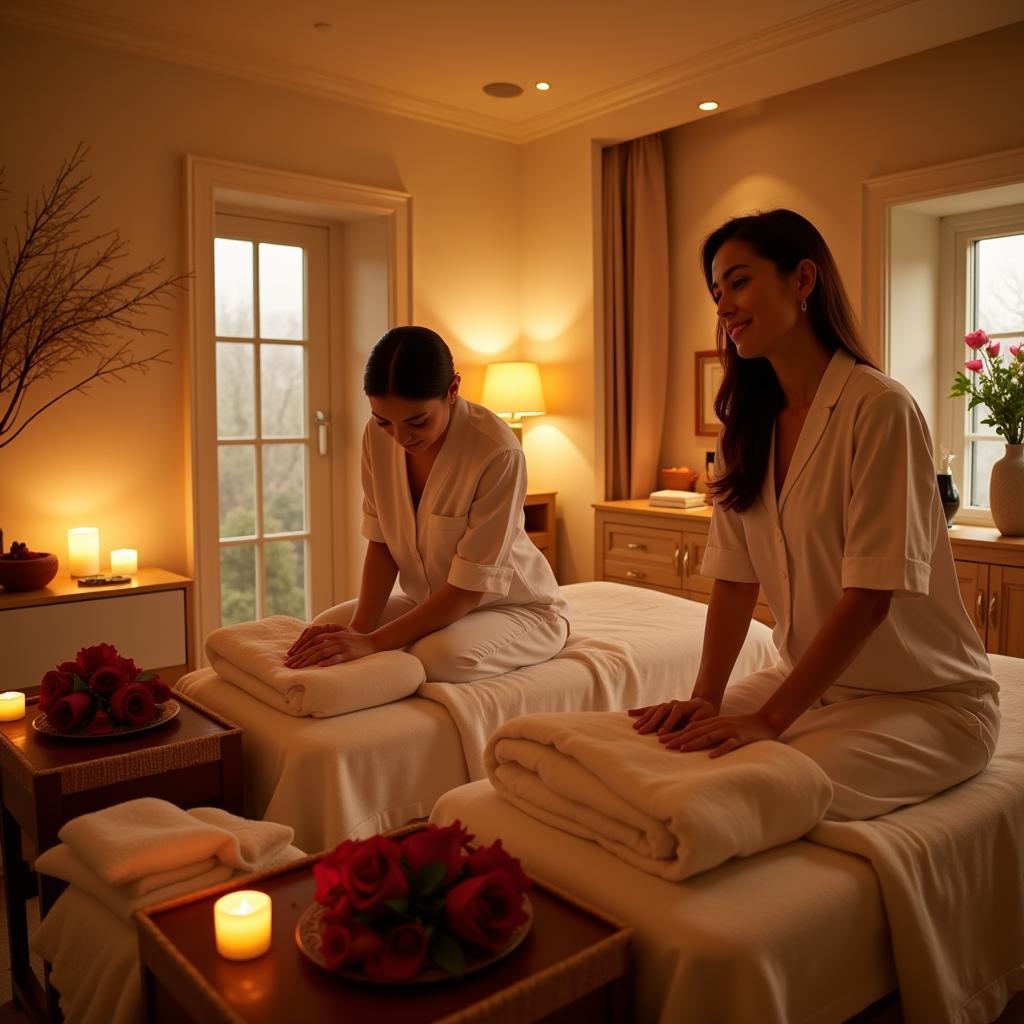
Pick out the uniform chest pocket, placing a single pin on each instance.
(448, 527)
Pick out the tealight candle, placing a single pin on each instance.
(124, 561)
(84, 551)
(241, 924)
(12, 706)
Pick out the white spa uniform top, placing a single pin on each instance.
(469, 527)
(859, 508)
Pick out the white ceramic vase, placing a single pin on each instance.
(1006, 492)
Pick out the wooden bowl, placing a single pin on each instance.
(18, 574)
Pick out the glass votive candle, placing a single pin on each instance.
(124, 561)
(241, 924)
(12, 706)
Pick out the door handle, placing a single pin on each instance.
(993, 612)
(322, 423)
(675, 559)
(686, 560)
(979, 607)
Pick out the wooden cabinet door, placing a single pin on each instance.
(645, 555)
(974, 586)
(1006, 611)
(693, 544)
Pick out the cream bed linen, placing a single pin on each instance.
(374, 769)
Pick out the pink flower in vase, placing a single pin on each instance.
(993, 347)
(1015, 350)
(976, 339)
(974, 365)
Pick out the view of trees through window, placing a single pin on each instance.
(998, 309)
(261, 429)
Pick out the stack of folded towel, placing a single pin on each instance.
(123, 858)
(251, 656)
(668, 813)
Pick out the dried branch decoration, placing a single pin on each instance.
(63, 300)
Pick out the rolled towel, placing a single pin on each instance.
(258, 841)
(669, 813)
(145, 837)
(251, 656)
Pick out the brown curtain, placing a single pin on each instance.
(635, 246)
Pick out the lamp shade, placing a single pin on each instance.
(513, 390)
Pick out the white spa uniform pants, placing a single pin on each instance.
(885, 750)
(487, 642)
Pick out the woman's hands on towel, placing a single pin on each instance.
(720, 734)
(672, 715)
(328, 644)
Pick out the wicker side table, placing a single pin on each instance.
(192, 761)
(572, 966)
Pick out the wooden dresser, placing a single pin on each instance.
(662, 548)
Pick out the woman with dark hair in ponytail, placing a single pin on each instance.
(825, 497)
(443, 488)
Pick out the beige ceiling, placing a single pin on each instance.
(430, 58)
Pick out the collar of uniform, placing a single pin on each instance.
(837, 373)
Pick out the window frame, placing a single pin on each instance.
(957, 237)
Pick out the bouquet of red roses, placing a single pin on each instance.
(100, 690)
(394, 905)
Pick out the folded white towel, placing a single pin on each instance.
(671, 814)
(251, 656)
(144, 837)
(159, 879)
(258, 841)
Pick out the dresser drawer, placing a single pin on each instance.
(642, 554)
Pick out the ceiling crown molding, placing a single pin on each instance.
(66, 19)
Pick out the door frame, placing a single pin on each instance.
(213, 185)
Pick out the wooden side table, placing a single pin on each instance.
(194, 760)
(147, 619)
(571, 967)
(539, 509)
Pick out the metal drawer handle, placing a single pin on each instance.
(993, 612)
(636, 547)
(675, 558)
(686, 559)
(979, 608)
(634, 575)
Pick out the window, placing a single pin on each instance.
(985, 251)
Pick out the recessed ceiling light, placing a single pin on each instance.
(543, 86)
(707, 105)
(323, 26)
(503, 90)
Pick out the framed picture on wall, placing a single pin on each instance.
(708, 375)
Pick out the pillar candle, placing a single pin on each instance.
(12, 706)
(124, 561)
(241, 924)
(83, 551)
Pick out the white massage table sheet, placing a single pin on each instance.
(813, 932)
(357, 774)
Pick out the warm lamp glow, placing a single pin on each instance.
(513, 390)
(124, 561)
(83, 551)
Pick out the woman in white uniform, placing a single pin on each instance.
(443, 487)
(826, 498)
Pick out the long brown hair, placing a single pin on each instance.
(750, 396)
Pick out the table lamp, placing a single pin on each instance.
(513, 391)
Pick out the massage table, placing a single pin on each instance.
(927, 899)
(361, 773)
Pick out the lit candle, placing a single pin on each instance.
(12, 706)
(124, 561)
(241, 924)
(84, 551)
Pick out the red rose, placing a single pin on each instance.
(55, 684)
(371, 873)
(343, 943)
(330, 889)
(485, 909)
(133, 704)
(434, 845)
(495, 858)
(401, 956)
(161, 691)
(69, 712)
(100, 724)
(88, 659)
(108, 678)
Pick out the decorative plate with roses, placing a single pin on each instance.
(420, 907)
(102, 694)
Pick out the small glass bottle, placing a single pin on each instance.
(948, 492)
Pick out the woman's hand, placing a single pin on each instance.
(720, 734)
(328, 645)
(672, 715)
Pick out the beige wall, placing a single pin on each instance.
(810, 150)
(115, 458)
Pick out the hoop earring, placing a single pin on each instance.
(803, 306)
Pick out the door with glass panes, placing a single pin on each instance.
(272, 387)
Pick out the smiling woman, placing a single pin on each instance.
(443, 487)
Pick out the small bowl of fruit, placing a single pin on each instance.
(22, 569)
